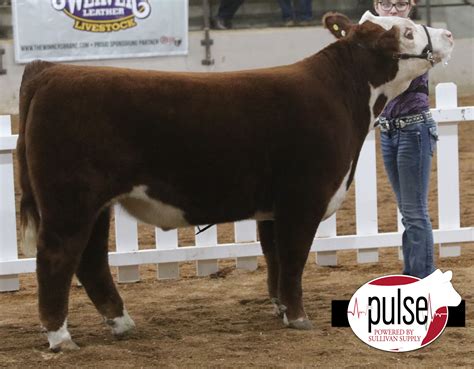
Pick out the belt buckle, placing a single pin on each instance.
(402, 123)
(384, 125)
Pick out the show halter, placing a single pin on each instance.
(427, 52)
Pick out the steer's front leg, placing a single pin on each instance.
(294, 232)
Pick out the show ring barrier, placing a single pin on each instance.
(245, 249)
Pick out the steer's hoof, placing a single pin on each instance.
(121, 326)
(300, 323)
(67, 345)
(278, 308)
(60, 340)
(124, 334)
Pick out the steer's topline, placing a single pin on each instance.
(279, 145)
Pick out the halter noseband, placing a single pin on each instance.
(427, 52)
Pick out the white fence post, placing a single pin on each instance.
(328, 228)
(366, 198)
(400, 228)
(167, 240)
(8, 241)
(206, 238)
(448, 169)
(246, 231)
(126, 239)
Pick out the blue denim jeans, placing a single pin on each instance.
(228, 8)
(303, 11)
(407, 154)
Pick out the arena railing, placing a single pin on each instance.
(207, 251)
(430, 4)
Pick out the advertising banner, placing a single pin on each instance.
(64, 30)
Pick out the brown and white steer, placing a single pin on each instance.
(279, 145)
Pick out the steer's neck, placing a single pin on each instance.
(364, 80)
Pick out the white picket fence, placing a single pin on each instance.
(206, 253)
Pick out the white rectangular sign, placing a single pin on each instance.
(61, 30)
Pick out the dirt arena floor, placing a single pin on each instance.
(225, 321)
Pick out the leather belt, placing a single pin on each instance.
(402, 122)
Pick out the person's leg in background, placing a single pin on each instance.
(304, 12)
(287, 12)
(226, 12)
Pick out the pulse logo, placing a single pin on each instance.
(400, 313)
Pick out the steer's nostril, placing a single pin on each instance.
(448, 35)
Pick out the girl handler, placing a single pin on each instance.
(408, 140)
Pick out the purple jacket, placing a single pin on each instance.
(413, 101)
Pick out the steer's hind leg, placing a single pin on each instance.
(59, 251)
(94, 274)
(266, 231)
(295, 228)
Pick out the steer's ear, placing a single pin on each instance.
(338, 24)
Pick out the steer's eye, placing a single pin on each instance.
(409, 34)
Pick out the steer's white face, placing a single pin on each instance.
(413, 40)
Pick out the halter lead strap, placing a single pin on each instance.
(427, 52)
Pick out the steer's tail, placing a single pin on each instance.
(29, 215)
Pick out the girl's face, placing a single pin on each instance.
(393, 8)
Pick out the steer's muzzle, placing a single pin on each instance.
(443, 43)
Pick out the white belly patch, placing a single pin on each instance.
(338, 197)
(152, 211)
